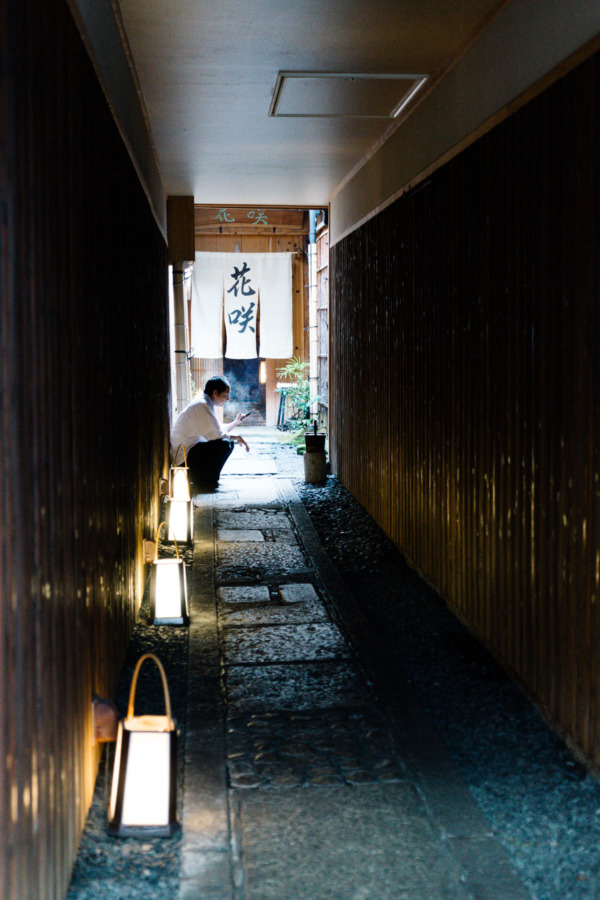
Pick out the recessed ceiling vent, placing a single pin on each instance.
(342, 95)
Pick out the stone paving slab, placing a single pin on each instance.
(204, 874)
(259, 460)
(274, 535)
(234, 575)
(206, 863)
(275, 520)
(250, 464)
(268, 611)
(279, 536)
(277, 750)
(343, 843)
(275, 614)
(247, 556)
(300, 686)
(237, 492)
(283, 643)
(249, 490)
(229, 535)
(298, 593)
(243, 594)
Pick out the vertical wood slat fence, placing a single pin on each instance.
(465, 390)
(84, 358)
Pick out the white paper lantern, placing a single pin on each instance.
(144, 786)
(168, 589)
(180, 516)
(180, 509)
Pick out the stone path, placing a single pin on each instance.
(310, 771)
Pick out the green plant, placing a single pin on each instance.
(296, 440)
(297, 391)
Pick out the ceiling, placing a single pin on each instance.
(274, 102)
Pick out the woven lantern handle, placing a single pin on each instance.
(131, 707)
(156, 543)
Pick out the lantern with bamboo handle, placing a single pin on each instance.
(144, 787)
(168, 589)
(180, 509)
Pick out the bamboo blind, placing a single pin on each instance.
(465, 390)
(84, 358)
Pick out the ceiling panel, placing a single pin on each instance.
(208, 72)
(355, 95)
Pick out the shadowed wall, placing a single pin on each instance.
(465, 390)
(84, 359)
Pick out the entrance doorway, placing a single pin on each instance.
(248, 395)
(301, 233)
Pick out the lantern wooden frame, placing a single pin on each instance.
(138, 806)
(168, 575)
(180, 509)
(180, 520)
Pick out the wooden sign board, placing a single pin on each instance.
(249, 219)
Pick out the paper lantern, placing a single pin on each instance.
(180, 509)
(180, 483)
(180, 516)
(168, 589)
(143, 797)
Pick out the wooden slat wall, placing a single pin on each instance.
(465, 390)
(84, 359)
(249, 243)
(202, 369)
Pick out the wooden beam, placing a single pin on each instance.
(249, 219)
(180, 228)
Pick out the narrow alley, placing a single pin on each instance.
(310, 767)
(378, 216)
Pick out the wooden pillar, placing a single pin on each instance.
(182, 339)
(180, 228)
(180, 232)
